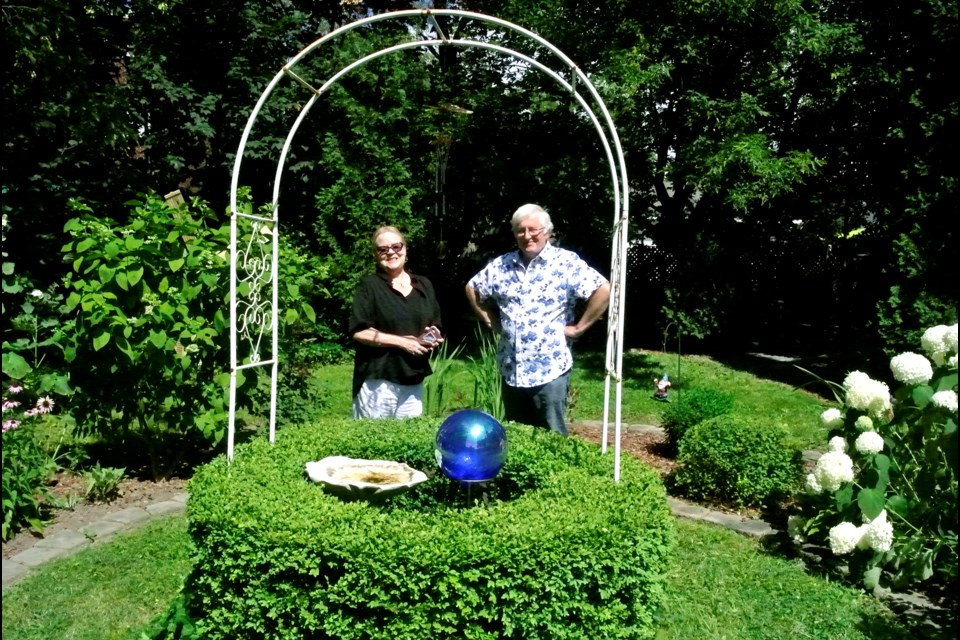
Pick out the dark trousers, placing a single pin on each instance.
(542, 406)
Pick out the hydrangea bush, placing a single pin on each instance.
(884, 494)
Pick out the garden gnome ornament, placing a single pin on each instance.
(662, 385)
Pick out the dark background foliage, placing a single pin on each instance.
(792, 188)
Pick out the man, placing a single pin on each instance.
(530, 296)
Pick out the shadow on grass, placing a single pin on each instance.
(639, 369)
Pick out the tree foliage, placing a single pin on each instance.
(777, 150)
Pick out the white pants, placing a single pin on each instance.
(383, 399)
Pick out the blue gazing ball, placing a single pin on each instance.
(471, 446)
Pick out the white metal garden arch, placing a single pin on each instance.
(254, 255)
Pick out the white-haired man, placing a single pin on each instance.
(530, 297)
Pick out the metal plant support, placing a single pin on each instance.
(254, 237)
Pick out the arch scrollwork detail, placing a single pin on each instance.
(254, 305)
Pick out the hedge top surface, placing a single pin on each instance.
(547, 480)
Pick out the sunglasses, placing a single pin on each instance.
(385, 250)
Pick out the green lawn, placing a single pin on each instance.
(796, 410)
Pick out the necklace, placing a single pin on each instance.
(402, 283)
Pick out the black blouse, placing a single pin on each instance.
(377, 305)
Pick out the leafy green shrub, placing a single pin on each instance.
(732, 459)
(690, 408)
(883, 496)
(145, 330)
(27, 468)
(102, 483)
(553, 548)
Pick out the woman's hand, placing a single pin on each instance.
(413, 346)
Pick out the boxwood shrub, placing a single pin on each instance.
(553, 548)
(737, 460)
(692, 407)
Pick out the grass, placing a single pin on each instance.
(722, 585)
(108, 591)
(796, 410)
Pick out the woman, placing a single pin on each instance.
(396, 321)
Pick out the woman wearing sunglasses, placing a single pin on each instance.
(396, 322)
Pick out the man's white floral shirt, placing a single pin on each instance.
(536, 302)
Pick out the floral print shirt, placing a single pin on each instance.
(536, 302)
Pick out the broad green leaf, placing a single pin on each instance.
(8, 268)
(921, 395)
(105, 273)
(898, 504)
(291, 316)
(15, 366)
(101, 341)
(309, 312)
(164, 285)
(124, 346)
(293, 289)
(132, 243)
(947, 382)
(122, 280)
(871, 502)
(58, 383)
(133, 277)
(176, 264)
(112, 250)
(209, 279)
(219, 321)
(85, 244)
(158, 338)
(871, 578)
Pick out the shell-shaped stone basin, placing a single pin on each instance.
(359, 479)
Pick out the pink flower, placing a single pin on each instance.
(44, 404)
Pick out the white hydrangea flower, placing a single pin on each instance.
(869, 442)
(935, 342)
(878, 534)
(945, 400)
(864, 423)
(844, 538)
(833, 469)
(952, 362)
(866, 394)
(795, 526)
(813, 485)
(831, 418)
(837, 443)
(950, 338)
(911, 368)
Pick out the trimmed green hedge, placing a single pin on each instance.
(555, 549)
(745, 461)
